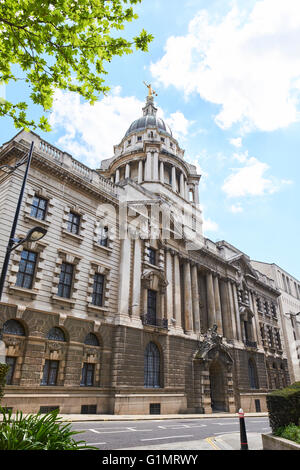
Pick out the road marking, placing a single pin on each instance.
(210, 441)
(95, 443)
(168, 437)
(116, 432)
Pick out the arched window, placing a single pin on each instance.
(252, 374)
(152, 366)
(91, 340)
(56, 334)
(13, 327)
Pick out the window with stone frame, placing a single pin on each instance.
(98, 291)
(273, 310)
(258, 304)
(103, 235)
(27, 268)
(11, 362)
(266, 308)
(278, 339)
(270, 336)
(152, 366)
(39, 207)
(87, 375)
(152, 254)
(65, 280)
(73, 225)
(252, 372)
(50, 372)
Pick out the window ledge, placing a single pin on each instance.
(103, 310)
(63, 300)
(104, 248)
(29, 218)
(153, 266)
(21, 290)
(72, 235)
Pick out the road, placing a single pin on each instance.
(113, 435)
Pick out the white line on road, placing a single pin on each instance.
(116, 432)
(95, 443)
(168, 437)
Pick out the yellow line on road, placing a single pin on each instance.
(210, 441)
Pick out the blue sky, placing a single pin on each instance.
(227, 74)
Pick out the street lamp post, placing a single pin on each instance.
(34, 234)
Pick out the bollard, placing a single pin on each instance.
(243, 434)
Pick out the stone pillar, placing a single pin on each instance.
(177, 290)
(124, 277)
(137, 273)
(196, 193)
(117, 176)
(162, 172)
(182, 191)
(237, 313)
(218, 306)
(226, 309)
(211, 312)
(254, 322)
(195, 299)
(188, 307)
(186, 191)
(127, 170)
(155, 167)
(140, 172)
(174, 182)
(148, 165)
(169, 293)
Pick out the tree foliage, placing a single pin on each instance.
(61, 44)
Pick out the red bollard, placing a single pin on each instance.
(243, 434)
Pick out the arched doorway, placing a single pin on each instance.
(217, 387)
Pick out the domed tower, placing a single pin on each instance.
(151, 157)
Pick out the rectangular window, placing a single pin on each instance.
(98, 290)
(154, 409)
(88, 409)
(152, 256)
(39, 208)
(103, 236)
(65, 280)
(139, 138)
(50, 372)
(11, 362)
(151, 307)
(87, 375)
(26, 269)
(48, 409)
(74, 223)
(257, 406)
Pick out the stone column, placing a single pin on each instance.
(117, 176)
(195, 299)
(174, 182)
(155, 167)
(254, 323)
(169, 293)
(148, 172)
(237, 313)
(218, 306)
(186, 191)
(211, 313)
(177, 291)
(226, 309)
(182, 191)
(140, 172)
(196, 193)
(162, 172)
(137, 273)
(188, 307)
(124, 278)
(127, 170)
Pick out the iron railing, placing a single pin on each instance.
(158, 322)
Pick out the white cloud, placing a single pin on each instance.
(247, 62)
(209, 225)
(90, 132)
(236, 142)
(250, 180)
(236, 208)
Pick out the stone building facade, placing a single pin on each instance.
(124, 306)
(289, 308)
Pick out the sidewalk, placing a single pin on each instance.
(230, 441)
(82, 417)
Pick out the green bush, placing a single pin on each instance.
(284, 406)
(291, 432)
(3, 371)
(37, 432)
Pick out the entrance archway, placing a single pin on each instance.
(217, 387)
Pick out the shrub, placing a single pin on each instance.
(284, 406)
(37, 432)
(3, 371)
(290, 432)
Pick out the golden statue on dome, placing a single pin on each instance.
(151, 92)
